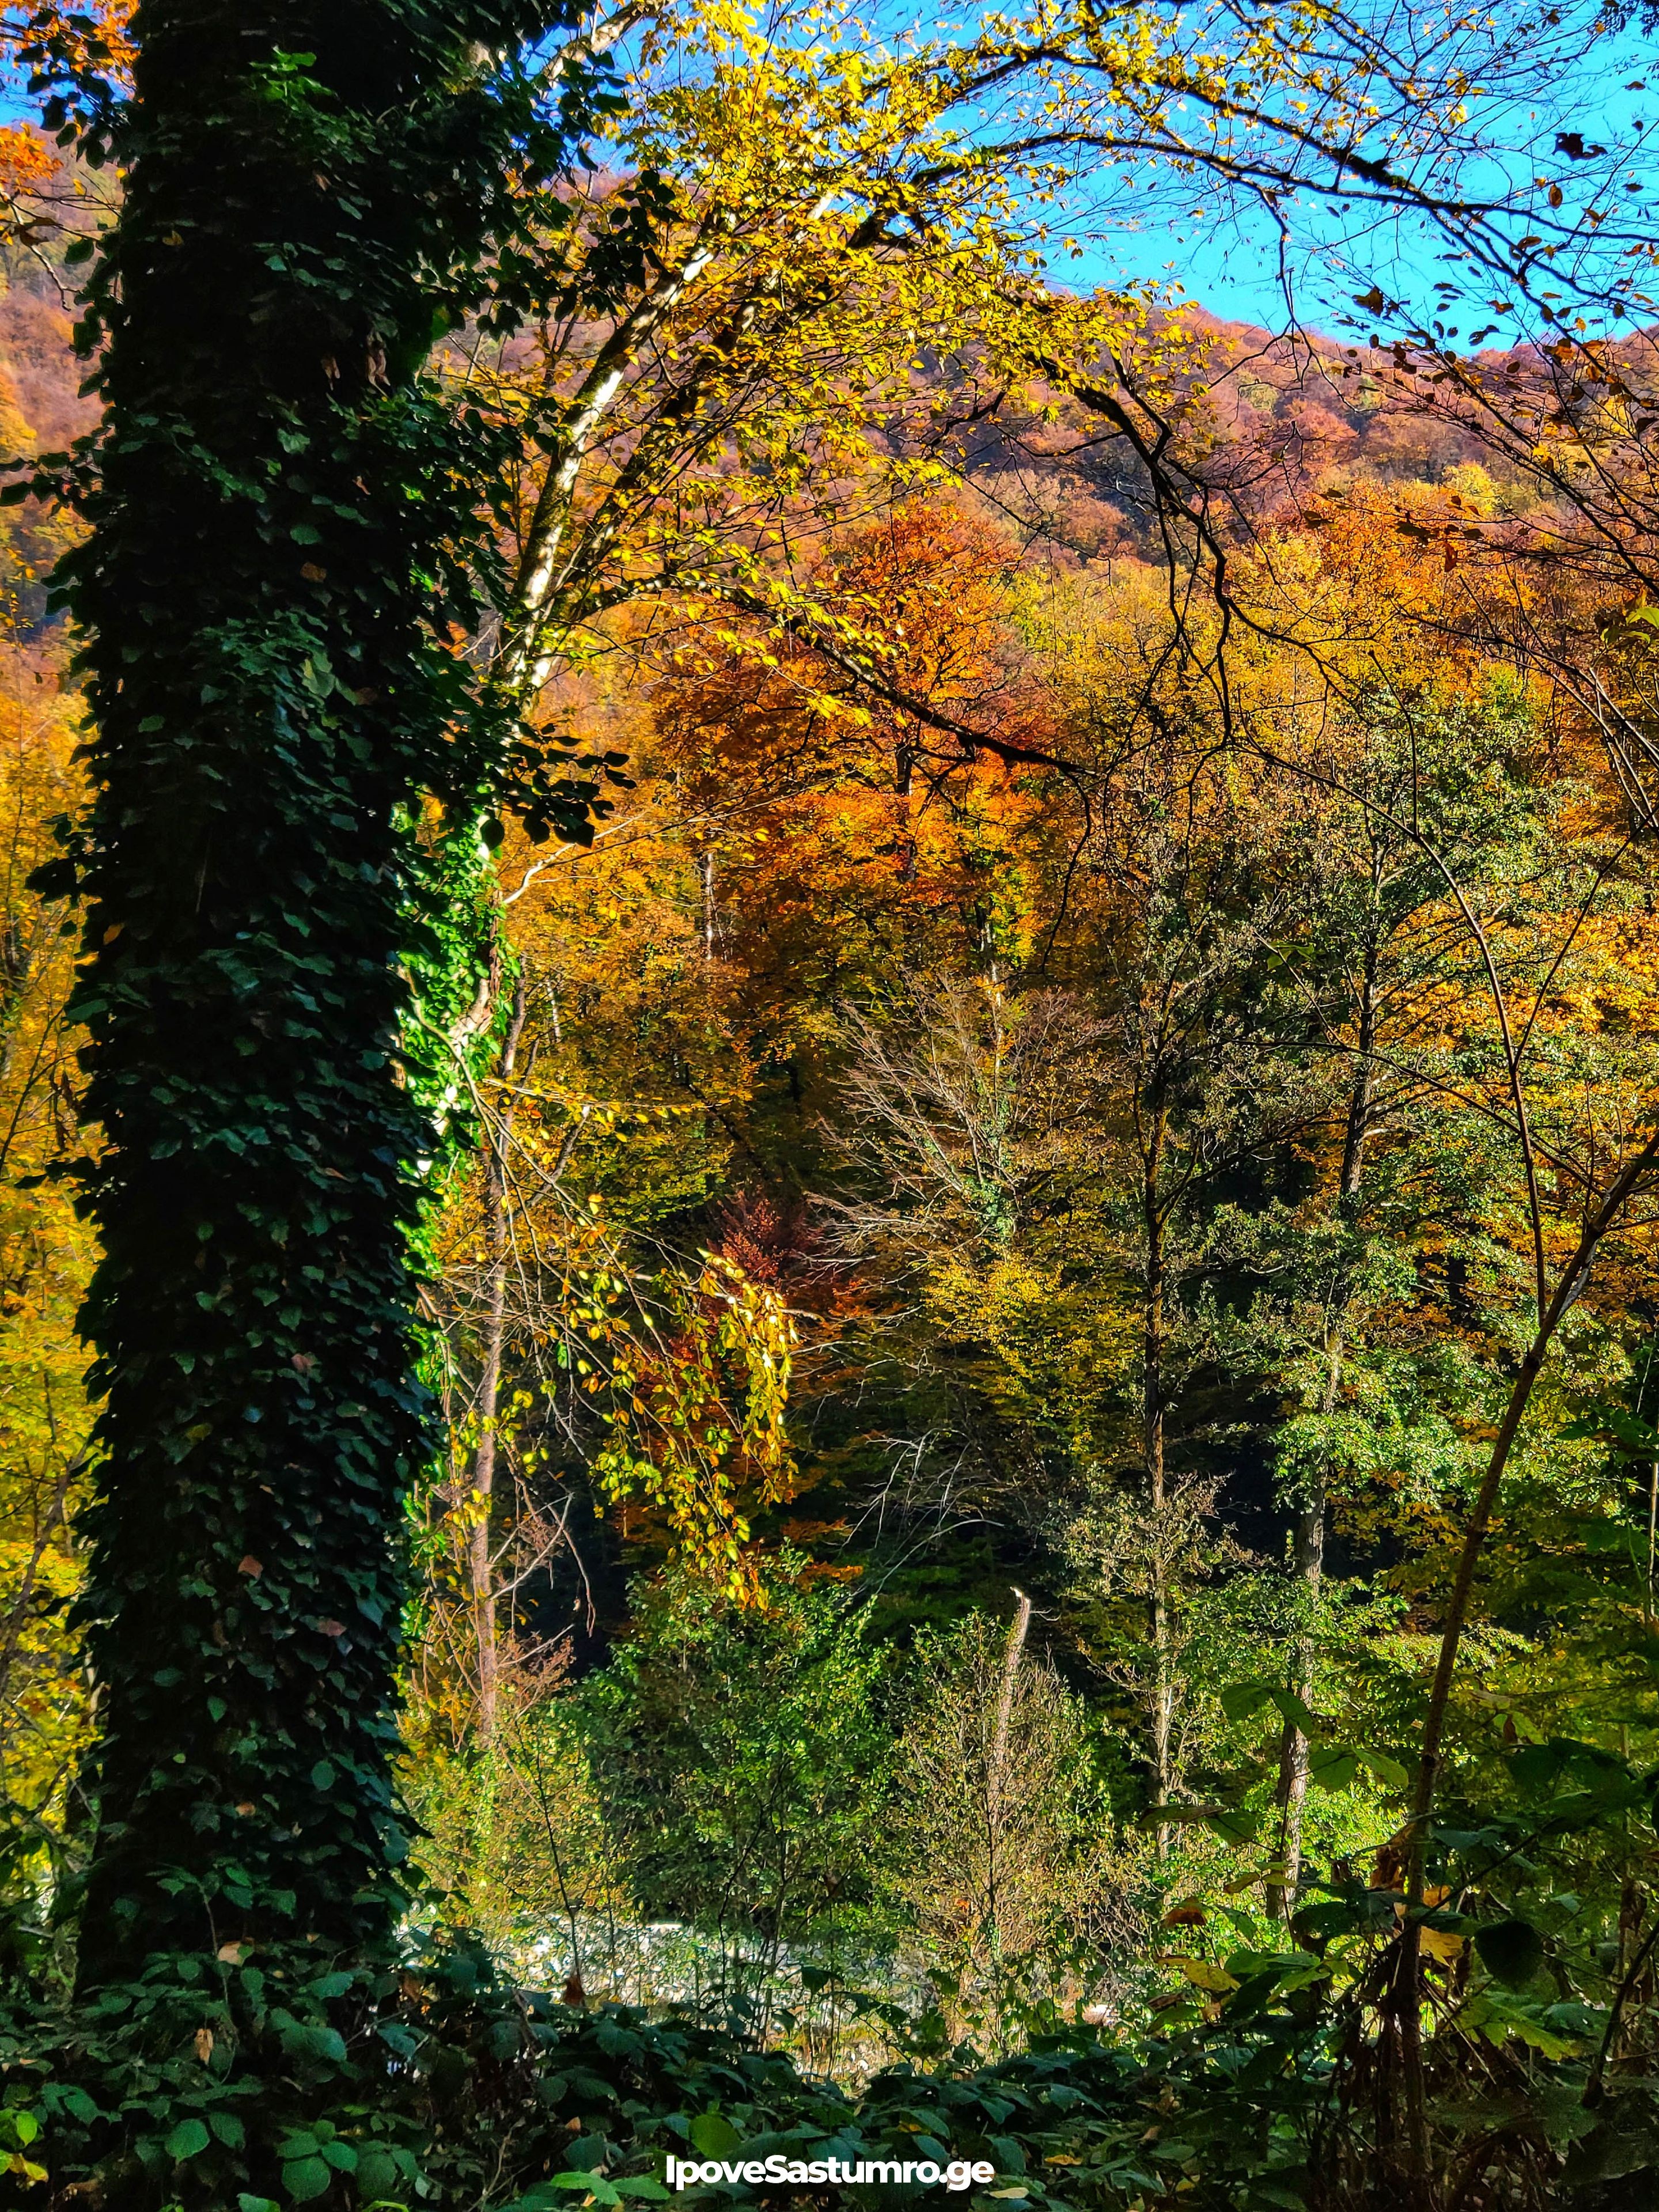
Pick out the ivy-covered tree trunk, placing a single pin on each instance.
(279, 510)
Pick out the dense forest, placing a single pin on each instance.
(945, 1444)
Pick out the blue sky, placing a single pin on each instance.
(1229, 262)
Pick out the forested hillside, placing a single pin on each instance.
(1031, 1228)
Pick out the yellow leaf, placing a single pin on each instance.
(1202, 1973)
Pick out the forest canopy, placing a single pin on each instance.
(829, 1064)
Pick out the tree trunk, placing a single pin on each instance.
(995, 1774)
(1291, 1792)
(497, 1141)
(1016, 1645)
(705, 880)
(1405, 1998)
(1151, 1414)
(273, 685)
(903, 778)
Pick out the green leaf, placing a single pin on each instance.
(1339, 1916)
(1332, 1767)
(1387, 1769)
(188, 2140)
(1562, 1765)
(641, 2185)
(1511, 1951)
(1273, 1967)
(1496, 2014)
(1602, 1538)
(306, 2178)
(377, 2173)
(715, 2136)
(1240, 1699)
(1295, 1710)
(591, 2185)
(1237, 1822)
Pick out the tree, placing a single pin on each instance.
(295, 232)
(277, 503)
(294, 762)
(1003, 1864)
(44, 1255)
(1189, 891)
(747, 1775)
(1426, 786)
(770, 801)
